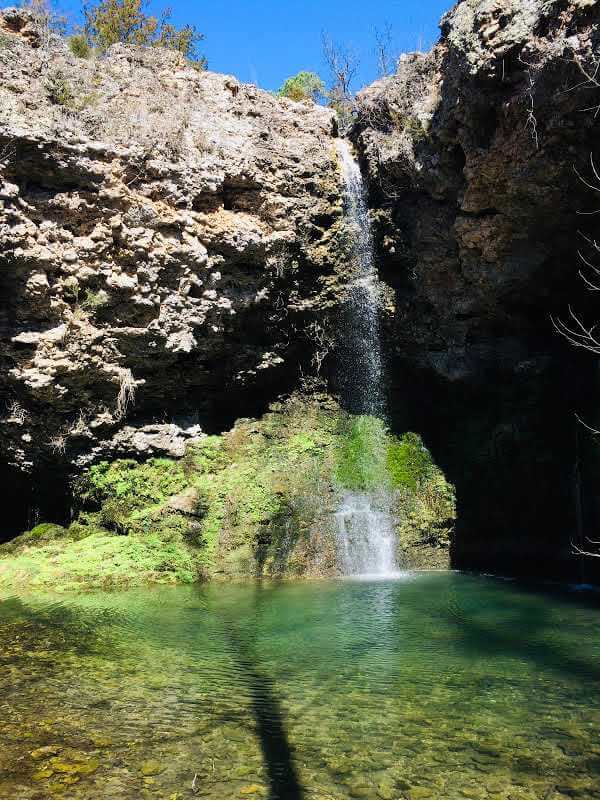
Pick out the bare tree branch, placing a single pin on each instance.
(342, 63)
(383, 46)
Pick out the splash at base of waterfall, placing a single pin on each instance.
(366, 539)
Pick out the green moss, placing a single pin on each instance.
(39, 535)
(99, 560)
(409, 462)
(426, 516)
(361, 460)
(46, 530)
(256, 500)
(135, 485)
(269, 489)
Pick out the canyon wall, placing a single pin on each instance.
(171, 259)
(471, 152)
(163, 254)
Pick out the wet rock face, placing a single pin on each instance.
(470, 151)
(163, 245)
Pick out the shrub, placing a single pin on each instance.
(303, 86)
(59, 90)
(110, 21)
(94, 300)
(79, 46)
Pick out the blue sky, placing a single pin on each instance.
(266, 41)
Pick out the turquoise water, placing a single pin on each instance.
(437, 685)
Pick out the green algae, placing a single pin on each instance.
(257, 500)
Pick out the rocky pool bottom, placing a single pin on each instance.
(431, 685)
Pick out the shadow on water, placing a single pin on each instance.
(527, 631)
(277, 754)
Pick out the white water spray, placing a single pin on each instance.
(362, 373)
(366, 539)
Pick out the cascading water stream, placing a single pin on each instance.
(366, 539)
(362, 376)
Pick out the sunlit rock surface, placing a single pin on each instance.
(163, 239)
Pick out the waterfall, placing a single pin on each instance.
(362, 372)
(366, 537)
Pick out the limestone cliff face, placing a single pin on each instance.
(470, 151)
(170, 259)
(164, 249)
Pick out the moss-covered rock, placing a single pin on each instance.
(256, 500)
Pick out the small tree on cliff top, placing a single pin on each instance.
(110, 21)
(303, 86)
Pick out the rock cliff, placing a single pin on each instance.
(163, 252)
(471, 152)
(171, 260)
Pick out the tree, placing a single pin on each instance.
(342, 63)
(303, 86)
(575, 331)
(48, 20)
(383, 48)
(110, 21)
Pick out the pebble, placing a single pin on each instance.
(151, 768)
(250, 789)
(45, 751)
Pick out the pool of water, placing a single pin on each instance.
(438, 685)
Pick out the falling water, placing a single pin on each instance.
(362, 373)
(366, 540)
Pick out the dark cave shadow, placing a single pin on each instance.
(483, 637)
(277, 754)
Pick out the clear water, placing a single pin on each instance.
(435, 685)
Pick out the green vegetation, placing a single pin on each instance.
(369, 457)
(409, 463)
(303, 86)
(94, 300)
(59, 89)
(99, 559)
(361, 460)
(79, 46)
(428, 514)
(108, 22)
(256, 500)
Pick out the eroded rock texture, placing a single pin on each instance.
(471, 151)
(163, 251)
